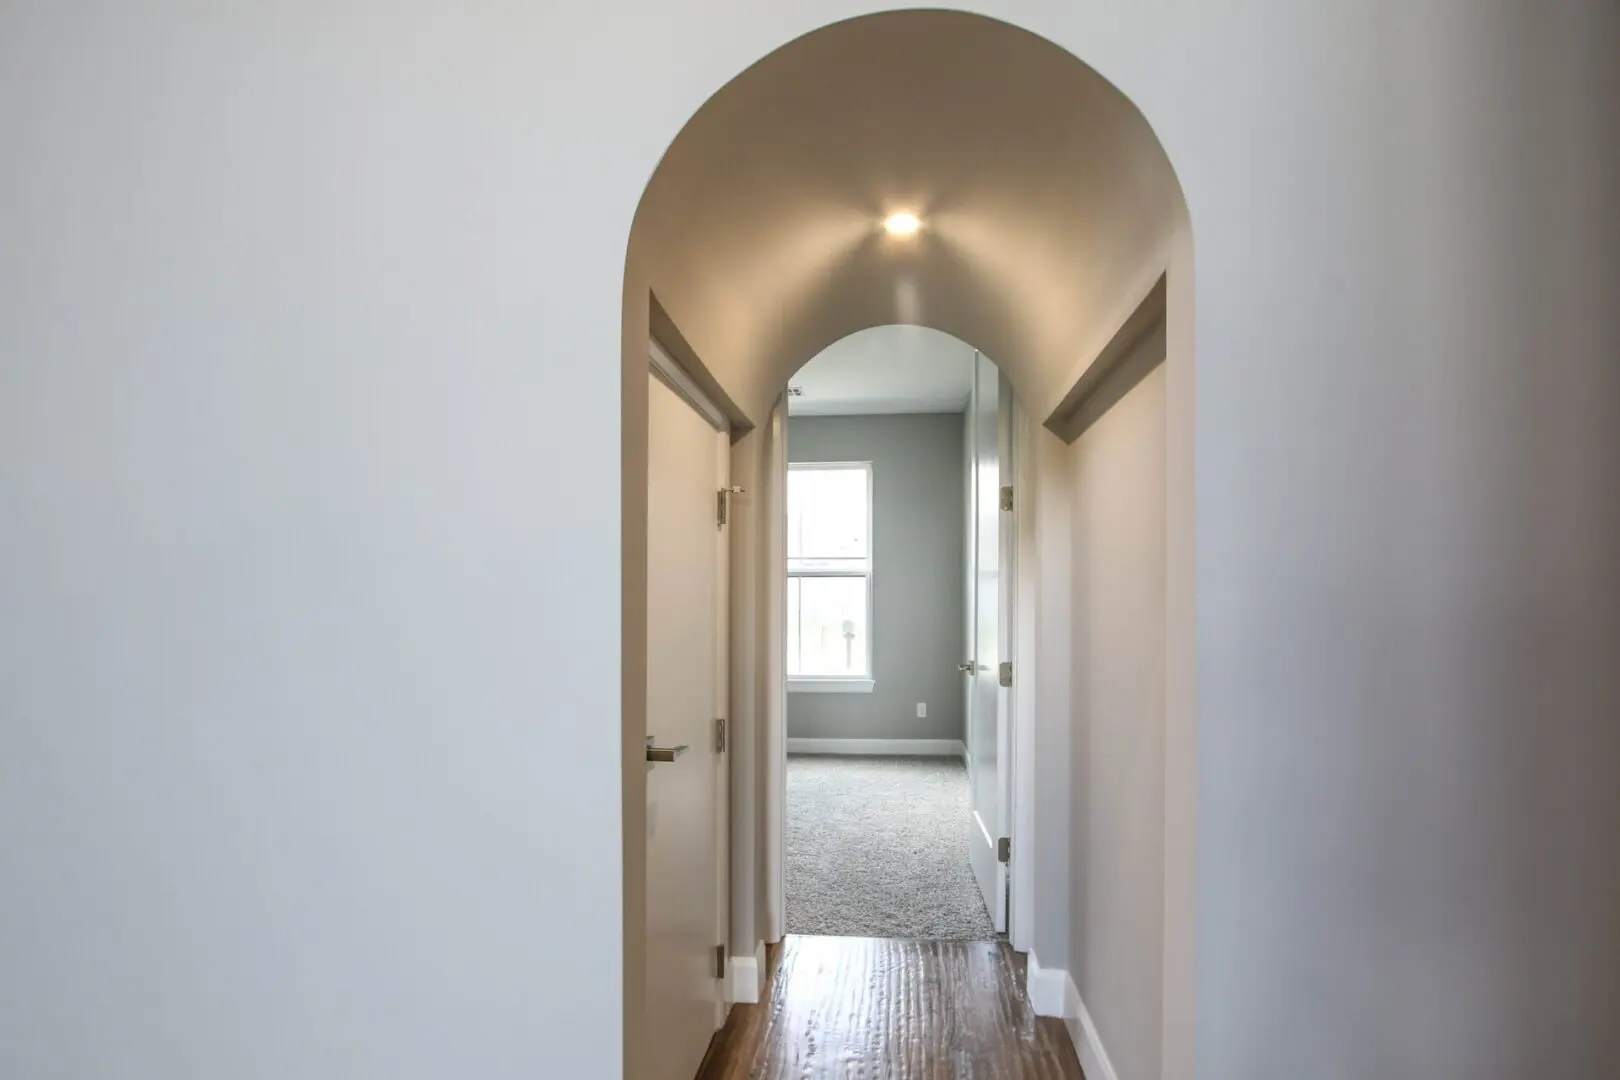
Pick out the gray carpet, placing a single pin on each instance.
(878, 847)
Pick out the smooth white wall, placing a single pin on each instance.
(1408, 564)
(308, 682)
(1116, 858)
(309, 327)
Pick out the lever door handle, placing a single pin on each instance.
(664, 754)
(968, 668)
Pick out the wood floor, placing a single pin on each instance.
(882, 1009)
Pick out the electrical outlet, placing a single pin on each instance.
(922, 708)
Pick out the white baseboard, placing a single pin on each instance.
(1045, 987)
(879, 747)
(747, 981)
(1052, 993)
(1093, 1058)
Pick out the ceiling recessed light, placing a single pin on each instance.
(902, 224)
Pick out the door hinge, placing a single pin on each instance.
(720, 735)
(720, 961)
(1007, 498)
(1006, 673)
(1004, 849)
(722, 504)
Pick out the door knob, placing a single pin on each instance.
(968, 668)
(664, 753)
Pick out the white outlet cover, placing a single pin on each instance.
(922, 708)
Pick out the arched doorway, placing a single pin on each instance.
(1050, 215)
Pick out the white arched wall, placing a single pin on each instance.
(311, 750)
(1050, 210)
(1048, 204)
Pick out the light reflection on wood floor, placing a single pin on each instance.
(892, 1010)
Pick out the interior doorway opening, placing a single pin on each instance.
(1002, 194)
(897, 620)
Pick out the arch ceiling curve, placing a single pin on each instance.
(896, 368)
(1048, 203)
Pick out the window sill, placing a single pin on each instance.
(831, 686)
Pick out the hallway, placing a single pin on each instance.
(901, 1010)
(329, 641)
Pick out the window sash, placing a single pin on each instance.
(796, 629)
(816, 496)
(829, 568)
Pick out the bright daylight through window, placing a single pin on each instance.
(829, 598)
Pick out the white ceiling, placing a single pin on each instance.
(886, 369)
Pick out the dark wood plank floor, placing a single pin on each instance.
(879, 1009)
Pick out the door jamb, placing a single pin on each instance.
(1020, 876)
(1021, 698)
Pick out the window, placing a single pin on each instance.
(829, 597)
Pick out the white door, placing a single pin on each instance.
(988, 756)
(685, 796)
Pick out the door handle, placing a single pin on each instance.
(968, 668)
(664, 754)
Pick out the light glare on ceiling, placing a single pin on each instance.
(902, 223)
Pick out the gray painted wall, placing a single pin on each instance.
(1116, 927)
(917, 512)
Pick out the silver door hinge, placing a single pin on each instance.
(719, 961)
(1004, 849)
(720, 735)
(722, 504)
(1006, 673)
(1006, 498)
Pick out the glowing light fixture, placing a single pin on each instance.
(902, 224)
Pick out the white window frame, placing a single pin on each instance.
(843, 684)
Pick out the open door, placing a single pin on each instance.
(989, 757)
(686, 771)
